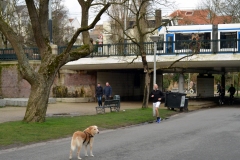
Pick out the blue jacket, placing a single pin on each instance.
(107, 91)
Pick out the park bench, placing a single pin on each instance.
(114, 105)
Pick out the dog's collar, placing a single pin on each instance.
(90, 136)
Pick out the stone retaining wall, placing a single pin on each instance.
(78, 83)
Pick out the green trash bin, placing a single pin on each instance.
(175, 100)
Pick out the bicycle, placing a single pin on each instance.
(221, 99)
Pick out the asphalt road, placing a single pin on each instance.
(209, 134)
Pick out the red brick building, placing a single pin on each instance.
(190, 17)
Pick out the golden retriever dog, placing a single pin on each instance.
(85, 138)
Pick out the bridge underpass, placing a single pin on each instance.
(127, 77)
(117, 67)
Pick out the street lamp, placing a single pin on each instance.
(155, 39)
(126, 7)
(50, 21)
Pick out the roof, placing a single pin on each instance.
(186, 17)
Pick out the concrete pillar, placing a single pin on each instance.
(54, 48)
(205, 85)
(181, 84)
(223, 81)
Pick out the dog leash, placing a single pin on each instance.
(90, 136)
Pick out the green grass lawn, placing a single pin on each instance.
(20, 133)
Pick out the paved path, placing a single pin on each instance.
(209, 134)
(17, 113)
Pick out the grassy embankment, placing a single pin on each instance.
(20, 133)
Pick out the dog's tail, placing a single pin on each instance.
(73, 144)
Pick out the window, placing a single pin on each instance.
(131, 24)
(208, 15)
(183, 40)
(160, 42)
(228, 39)
(151, 23)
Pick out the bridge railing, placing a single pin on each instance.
(131, 49)
(167, 48)
(10, 55)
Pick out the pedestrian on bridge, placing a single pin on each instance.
(156, 95)
(107, 91)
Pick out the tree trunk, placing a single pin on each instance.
(38, 101)
(146, 91)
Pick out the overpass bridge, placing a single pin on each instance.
(120, 56)
(212, 59)
(114, 63)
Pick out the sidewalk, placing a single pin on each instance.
(74, 109)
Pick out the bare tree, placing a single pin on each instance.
(42, 79)
(117, 26)
(61, 31)
(139, 30)
(230, 8)
(225, 11)
(8, 11)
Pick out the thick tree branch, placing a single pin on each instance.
(133, 59)
(36, 26)
(171, 65)
(43, 16)
(85, 50)
(28, 74)
(91, 26)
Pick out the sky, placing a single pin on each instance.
(75, 9)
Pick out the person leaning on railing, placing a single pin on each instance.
(195, 43)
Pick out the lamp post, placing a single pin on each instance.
(155, 39)
(126, 7)
(50, 21)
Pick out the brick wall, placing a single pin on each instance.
(76, 81)
(129, 85)
(12, 84)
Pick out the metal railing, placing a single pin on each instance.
(130, 49)
(10, 55)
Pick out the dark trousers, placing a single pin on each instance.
(99, 98)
